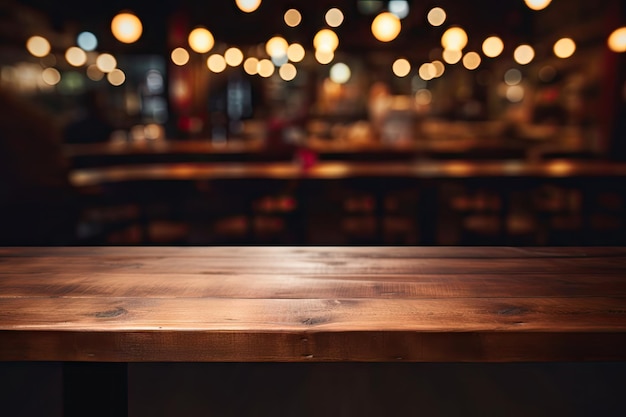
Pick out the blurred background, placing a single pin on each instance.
(330, 122)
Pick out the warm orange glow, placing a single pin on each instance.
(295, 52)
(386, 27)
(126, 27)
(51, 76)
(493, 46)
(287, 72)
(75, 56)
(116, 77)
(340, 73)
(401, 67)
(334, 17)
(326, 41)
(276, 47)
(180, 56)
(251, 66)
(524, 54)
(201, 40)
(265, 68)
(617, 40)
(454, 39)
(537, 4)
(233, 56)
(216, 63)
(452, 56)
(471, 60)
(436, 16)
(324, 57)
(248, 6)
(106, 62)
(38, 46)
(292, 18)
(564, 48)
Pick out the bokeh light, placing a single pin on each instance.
(94, 73)
(493, 46)
(106, 62)
(524, 54)
(451, 56)
(326, 41)
(386, 27)
(87, 41)
(180, 56)
(216, 63)
(401, 67)
(513, 76)
(265, 68)
(276, 46)
(38, 46)
(537, 4)
(126, 27)
(564, 48)
(116, 77)
(340, 73)
(248, 6)
(400, 8)
(334, 17)
(295, 52)
(454, 39)
(51, 76)
(436, 16)
(471, 60)
(251, 65)
(617, 40)
(201, 40)
(233, 56)
(75, 56)
(292, 17)
(287, 72)
(324, 57)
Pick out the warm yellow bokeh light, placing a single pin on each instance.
(439, 68)
(537, 4)
(471, 60)
(233, 56)
(427, 71)
(617, 40)
(423, 97)
(180, 56)
(340, 73)
(276, 46)
(326, 41)
(295, 52)
(564, 48)
(436, 16)
(116, 77)
(201, 40)
(334, 17)
(515, 93)
(216, 63)
(386, 27)
(452, 56)
(454, 39)
(248, 6)
(324, 57)
(287, 72)
(94, 73)
(51, 76)
(265, 68)
(38, 46)
(106, 62)
(401, 67)
(75, 56)
(292, 18)
(493, 46)
(524, 54)
(126, 27)
(251, 66)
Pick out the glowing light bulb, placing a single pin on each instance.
(564, 48)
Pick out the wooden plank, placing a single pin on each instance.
(317, 303)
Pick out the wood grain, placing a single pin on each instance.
(312, 304)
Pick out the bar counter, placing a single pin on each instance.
(312, 304)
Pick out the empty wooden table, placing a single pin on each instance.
(312, 304)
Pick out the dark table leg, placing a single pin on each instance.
(95, 389)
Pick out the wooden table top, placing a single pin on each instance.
(282, 304)
(454, 169)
